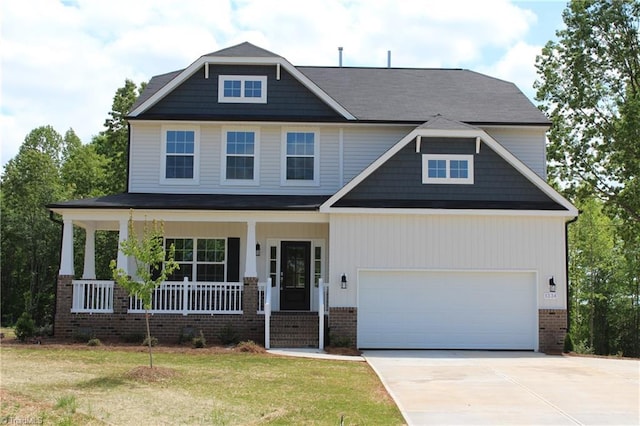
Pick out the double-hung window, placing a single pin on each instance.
(242, 89)
(300, 157)
(180, 155)
(447, 169)
(200, 259)
(240, 156)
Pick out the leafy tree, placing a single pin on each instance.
(153, 265)
(84, 170)
(590, 87)
(112, 143)
(30, 240)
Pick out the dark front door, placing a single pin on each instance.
(295, 283)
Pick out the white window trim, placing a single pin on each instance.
(194, 262)
(242, 99)
(448, 180)
(256, 157)
(316, 157)
(196, 156)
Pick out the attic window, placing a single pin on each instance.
(447, 169)
(242, 89)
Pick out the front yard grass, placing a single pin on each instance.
(78, 385)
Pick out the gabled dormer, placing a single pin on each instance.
(243, 82)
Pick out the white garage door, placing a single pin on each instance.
(447, 310)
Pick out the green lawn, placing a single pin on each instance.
(94, 385)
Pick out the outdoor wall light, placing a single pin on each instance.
(552, 285)
(343, 281)
(257, 249)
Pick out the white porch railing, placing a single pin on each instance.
(193, 298)
(92, 296)
(261, 289)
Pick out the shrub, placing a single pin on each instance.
(83, 334)
(154, 341)
(137, 338)
(199, 342)
(187, 335)
(228, 335)
(340, 341)
(250, 346)
(568, 344)
(25, 327)
(94, 342)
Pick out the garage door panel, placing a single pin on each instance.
(446, 310)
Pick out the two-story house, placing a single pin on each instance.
(386, 207)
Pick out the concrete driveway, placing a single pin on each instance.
(509, 388)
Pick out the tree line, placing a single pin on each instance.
(50, 168)
(588, 85)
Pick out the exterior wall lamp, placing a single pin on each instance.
(343, 281)
(552, 285)
(257, 249)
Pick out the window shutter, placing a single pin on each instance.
(233, 260)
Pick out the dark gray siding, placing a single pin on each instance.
(398, 182)
(197, 98)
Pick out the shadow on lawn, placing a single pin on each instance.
(108, 382)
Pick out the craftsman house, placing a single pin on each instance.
(385, 207)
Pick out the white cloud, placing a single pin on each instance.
(62, 61)
(517, 66)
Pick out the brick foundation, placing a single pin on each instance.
(167, 328)
(343, 324)
(552, 328)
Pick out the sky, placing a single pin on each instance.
(61, 61)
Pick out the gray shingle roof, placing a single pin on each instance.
(245, 49)
(130, 200)
(400, 94)
(403, 94)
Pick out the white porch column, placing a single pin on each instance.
(66, 257)
(89, 271)
(250, 258)
(123, 261)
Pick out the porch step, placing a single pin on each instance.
(294, 330)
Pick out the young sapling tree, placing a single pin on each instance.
(153, 262)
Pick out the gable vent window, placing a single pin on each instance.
(242, 89)
(447, 169)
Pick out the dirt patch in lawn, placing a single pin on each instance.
(148, 374)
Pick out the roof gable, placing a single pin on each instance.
(152, 95)
(246, 50)
(394, 179)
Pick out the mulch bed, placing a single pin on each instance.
(52, 343)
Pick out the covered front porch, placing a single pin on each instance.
(227, 260)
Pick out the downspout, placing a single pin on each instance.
(128, 155)
(55, 293)
(566, 268)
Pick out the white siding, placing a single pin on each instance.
(361, 147)
(447, 242)
(528, 144)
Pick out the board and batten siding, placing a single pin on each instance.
(528, 144)
(361, 146)
(447, 242)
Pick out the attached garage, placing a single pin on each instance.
(447, 310)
